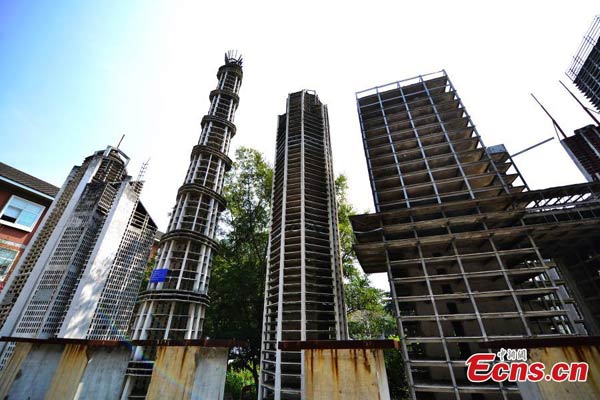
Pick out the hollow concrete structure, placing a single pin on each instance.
(468, 249)
(303, 292)
(174, 304)
(80, 276)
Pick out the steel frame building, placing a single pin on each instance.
(303, 289)
(80, 277)
(584, 149)
(174, 304)
(465, 244)
(585, 68)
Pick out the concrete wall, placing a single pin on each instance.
(545, 390)
(67, 376)
(349, 374)
(194, 373)
(103, 377)
(77, 371)
(30, 371)
(211, 370)
(58, 371)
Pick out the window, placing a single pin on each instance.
(7, 256)
(20, 213)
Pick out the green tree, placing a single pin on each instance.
(367, 307)
(237, 383)
(394, 368)
(238, 274)
(368, 317)
(345, 210)
(148, 272)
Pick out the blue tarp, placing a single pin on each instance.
(158, 275)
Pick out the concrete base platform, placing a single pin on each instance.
(189, 373)
(65, 369)
(344, 369)
(552, 351)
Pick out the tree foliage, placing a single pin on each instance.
(238, 274)
(365, 305)
(237, 383)
(394, 368)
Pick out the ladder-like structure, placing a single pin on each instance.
(303, 291)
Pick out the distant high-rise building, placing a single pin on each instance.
(80, 276)
(469, 251)
(585, 68)
(303, 293)
(174, 304)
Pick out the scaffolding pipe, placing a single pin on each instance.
(533, 147)
(556, 126)
(587, 110)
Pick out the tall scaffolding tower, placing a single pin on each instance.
(303, 290)
(460, 236)
(174, 304)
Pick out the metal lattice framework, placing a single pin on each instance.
(585, 68)
(174, 304)
(460, 236)
(303, 292)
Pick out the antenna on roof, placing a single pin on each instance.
(119, 144)
(587, 110)
(556, 126)
(233, 57)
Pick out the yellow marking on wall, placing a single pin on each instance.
(589, 390)
(72, 364)
(348, 374)
(8, 375)
(173, 373)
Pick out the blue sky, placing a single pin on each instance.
(75, 75)
(69, 81)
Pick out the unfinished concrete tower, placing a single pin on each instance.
(173, 306)
(303, 292)
(467, 248)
